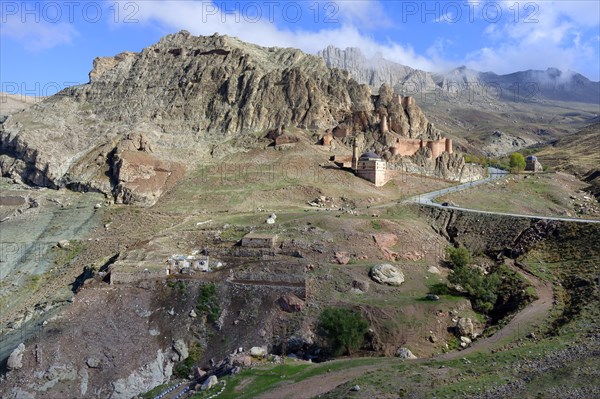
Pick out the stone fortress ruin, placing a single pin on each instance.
(399, 129)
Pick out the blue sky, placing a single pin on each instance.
(47, 45)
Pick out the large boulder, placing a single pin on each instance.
(404, 354)
(258, 351)
(465, 327)
(387, 274)
(15, 360)
(209, 383)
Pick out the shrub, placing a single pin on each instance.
(458, 257)
(344, 329)
(481, 289)
(517, 162)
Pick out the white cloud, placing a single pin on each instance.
(36, 35)
(557, 39)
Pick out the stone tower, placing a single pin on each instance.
(355, 155)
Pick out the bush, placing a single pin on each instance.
(208, 302)
(481, 289)
(458, 257)
(517, 162)
(344, 329)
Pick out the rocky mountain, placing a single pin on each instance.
(129, 132)
(377, 71)
(551, 84)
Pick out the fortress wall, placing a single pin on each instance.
(407, 147)
(437, 147)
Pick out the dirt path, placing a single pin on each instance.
(519, 326)
(318, 384)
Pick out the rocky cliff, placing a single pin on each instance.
(377, 70)
(129, 131)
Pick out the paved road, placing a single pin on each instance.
(494, 174)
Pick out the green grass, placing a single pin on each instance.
(158, 390)
(269, 376)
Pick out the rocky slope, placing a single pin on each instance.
(129, 131)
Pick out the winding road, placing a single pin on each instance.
(427, 199)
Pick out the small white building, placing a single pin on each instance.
(187, 263)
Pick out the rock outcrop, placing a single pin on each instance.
(149, 376)
(447, 166)
(15, 360)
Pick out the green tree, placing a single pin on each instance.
(344, 329)
(459, 257)
(517, 162)
(481, 289)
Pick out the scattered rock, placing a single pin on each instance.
(209, 383)
(64, 244)
(193, 313)
(405, 353)
(385, 240)
(412, 255)
(93, 362)
(181, 348)
(355, 388)
(432, 339)
(433, 270)
(362, 285)
(466, 340)
(387, 274)
(341, 258)
(432, 297)
(97, 206)
(290, 303)
(241, 360)
(15, 360)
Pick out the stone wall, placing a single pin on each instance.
(131, 277)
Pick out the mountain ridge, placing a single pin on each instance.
(550, 84)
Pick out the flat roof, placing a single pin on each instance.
(261, 236)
